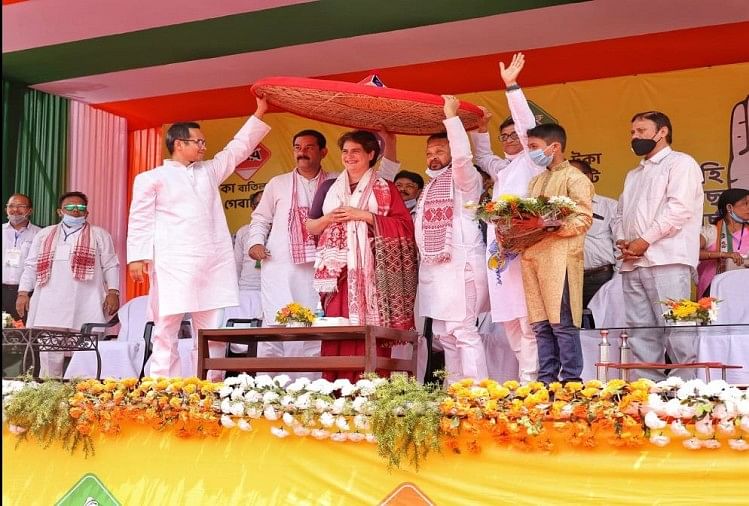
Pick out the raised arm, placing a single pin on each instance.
(519, 108)
(241, 146)
(465, 175)
(482, 148)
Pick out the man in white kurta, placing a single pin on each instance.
(177, 233)
(288, 261)
(511, 175)
(63, 301)
(452, 277)
(18, 233)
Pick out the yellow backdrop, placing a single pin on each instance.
(144, 466)
(595, 113)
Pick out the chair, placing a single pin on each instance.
(117, 358)
(185, 350)
(237, 350)
(730, 288)
(607, 305)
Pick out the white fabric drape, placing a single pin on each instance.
(97, 166)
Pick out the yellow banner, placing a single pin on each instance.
(145, 466)
(707, 107)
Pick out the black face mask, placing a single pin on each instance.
(642, 147)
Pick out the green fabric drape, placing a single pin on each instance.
(12, 111)
(42, 149)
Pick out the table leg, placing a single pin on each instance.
(370, 351)
(202, 354)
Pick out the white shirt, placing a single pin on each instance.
(600, 249)
(511, 175)
(177, 223)
(662, 203)
(248, 269)
(442, 293)
(65, 302)
(16, 245)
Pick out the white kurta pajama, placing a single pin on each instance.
(65, 302)
(511, 176)
(177, 224)
(453, 293)
(283, 281)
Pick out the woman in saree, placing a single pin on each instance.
(365, 268)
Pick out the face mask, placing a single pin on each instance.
(73, 221)
(410, 204)
(642, 147)
(539, 158)
(738, 219)
(17, 219)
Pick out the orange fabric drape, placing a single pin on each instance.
(144, 153)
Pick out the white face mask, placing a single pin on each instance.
(17, 219)
(73, 221)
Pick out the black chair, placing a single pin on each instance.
(89, 329)
(252, 347)
(185, 332)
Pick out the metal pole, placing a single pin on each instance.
(603, 356)
(625, 354)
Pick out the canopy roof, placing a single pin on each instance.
(156, 62)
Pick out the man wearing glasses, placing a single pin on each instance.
(178, 236)
(511, 176)
(74, 272)
(18, 233)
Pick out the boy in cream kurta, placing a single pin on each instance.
(452, 277)
(177, 234)
(553, 267)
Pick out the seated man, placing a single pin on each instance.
(74, 272)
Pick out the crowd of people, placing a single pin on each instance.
(376, 245)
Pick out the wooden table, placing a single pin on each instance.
(369, 362)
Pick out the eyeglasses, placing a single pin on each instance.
(509, 137)
(75, 207)
(407, 186)
(200, 142)
(17, 206)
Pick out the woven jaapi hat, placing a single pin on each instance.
(366, 105)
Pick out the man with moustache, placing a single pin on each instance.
(279, 238)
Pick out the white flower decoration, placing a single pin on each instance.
(253, 412)
(356, 436)
(361, 422)
(227, 422)
(279, 432)
(226, 405)
(270, 413)
(321, 405)
(16, 429)
(287, 400)
(359, 404)
(236, 394)
(652, 421)
(742, 406)
(705, 426)
(339, 405)
(660, 440)
(692, 443)
(738, 444)
(342, 423)
(237, 408)
(253, 396)
(231, 381)
(338, 437)
(371, 438)
(244, 425)
(269, 397)
(264, 381)
(301, 430)
(678, 429)
(672, 408)
(727, 427)
(225, 391)
(712, 444)
(744, 423)
(327, 419)
(303, 401)
(289, 419)
(282, 379)
(320, 434)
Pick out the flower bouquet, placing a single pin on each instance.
(521, 222)
(10, 323)
(704, 311)
(295, 315)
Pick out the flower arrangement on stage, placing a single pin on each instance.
(406, 420)
(704, 311)
(295, 313)
(523, 221)
(10, 323)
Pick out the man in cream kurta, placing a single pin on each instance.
(452, 277)
(177, 228)
(63, 301)
(511, 176)
(287, 274)
(553, 267)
